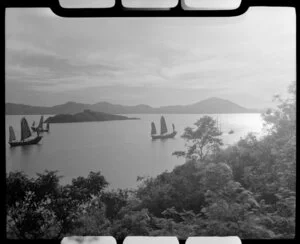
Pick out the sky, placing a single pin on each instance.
(51, 60)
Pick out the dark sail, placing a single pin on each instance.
(25, 131)
(41, 122)
(153, 129)
(33, 124)
(163, 126)
(173, 127)
(12, 135)
(48, 126)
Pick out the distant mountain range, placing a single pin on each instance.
(208, 106)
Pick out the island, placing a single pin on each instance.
(86, 116)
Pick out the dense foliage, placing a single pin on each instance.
(247, 189)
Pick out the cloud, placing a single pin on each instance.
(36, 65)
(71, 56)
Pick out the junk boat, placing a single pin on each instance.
(163, 130)
(25, 135)
(40, 128)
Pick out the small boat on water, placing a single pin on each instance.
(231, 132)
(163, 130)
(25, 136)
(40, 128)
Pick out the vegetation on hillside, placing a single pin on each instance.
(247, 189)
(85, 116)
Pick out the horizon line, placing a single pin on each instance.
(138, 104)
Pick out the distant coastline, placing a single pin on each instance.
(208, 106)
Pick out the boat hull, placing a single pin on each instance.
(37, 130)
(33, 141)
(165, 136)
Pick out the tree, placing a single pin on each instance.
(282, 120)
(42, 208)
(92, 221)
(204, 139)
(18, 184)
(84, 189)
(135, 223)
(29, 212)
(114, 200)
(180, 189)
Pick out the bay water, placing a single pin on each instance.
(121, 150)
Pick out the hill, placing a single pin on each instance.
(85, 116)
(208, 106)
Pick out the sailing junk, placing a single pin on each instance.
(163, 130)
(40, 128)
(25, 134)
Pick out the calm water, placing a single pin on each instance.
(121, 150)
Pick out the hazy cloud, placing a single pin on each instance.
(131, 61)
